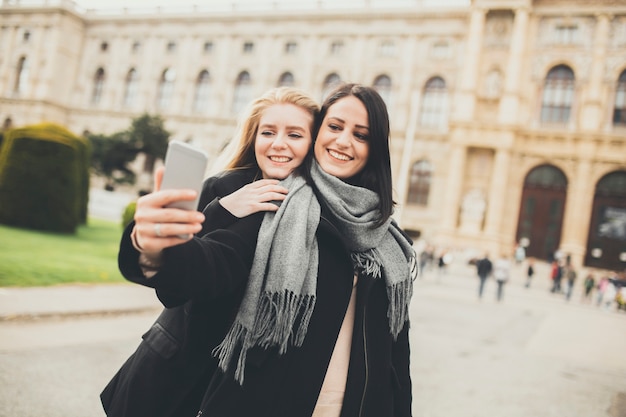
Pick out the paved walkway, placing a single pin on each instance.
(534, 354)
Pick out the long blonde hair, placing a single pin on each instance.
(239, 152)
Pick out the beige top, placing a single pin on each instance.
(331, 396)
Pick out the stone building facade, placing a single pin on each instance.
(508, 116)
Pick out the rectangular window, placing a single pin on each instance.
(171, 47)
(566, 34)
(207, 47)
(248, 47)
(291, 48)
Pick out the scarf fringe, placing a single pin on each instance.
(274, 326)
(399, 296)
(367, 262)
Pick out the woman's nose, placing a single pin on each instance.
(343, 139)
(279, 141)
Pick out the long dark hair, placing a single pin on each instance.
(376, 175)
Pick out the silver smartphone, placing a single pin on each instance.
(185, 167)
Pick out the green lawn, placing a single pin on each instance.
(32, 258)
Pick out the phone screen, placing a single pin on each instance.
(185, 166)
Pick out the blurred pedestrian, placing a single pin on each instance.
(570, 275)
(520, 254)
(589, 283)
(483, 269)
(604, 282)
(609, 295)
(556, 275)
(530, 271)
(501, 272)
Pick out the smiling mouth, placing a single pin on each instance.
(339, 156)
(279, 159)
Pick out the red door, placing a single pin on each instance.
(541, 211)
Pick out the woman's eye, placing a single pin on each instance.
(295, 135)
(333, 127)
(361, 136)
(267, 133)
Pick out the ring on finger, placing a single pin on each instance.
(157, 229)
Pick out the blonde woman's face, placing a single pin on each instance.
(283, 140)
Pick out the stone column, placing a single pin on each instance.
(509, 103)
(454, 185)
(591, 116)
(465, 98)
(407, 156)
(578, 208)
(497, 192)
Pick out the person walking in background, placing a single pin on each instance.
(520, 254)
(610, 294)
(530, 271)
(589, 284)
(557, 276)
(570, 276)
(483, 269)
(501, 273)
(604, 282)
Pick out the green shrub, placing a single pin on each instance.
(44, 178)
(129, 213)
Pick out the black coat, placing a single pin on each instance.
(215, 269)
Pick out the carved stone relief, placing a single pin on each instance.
(618, 33)
(498, 30)
(473, 210)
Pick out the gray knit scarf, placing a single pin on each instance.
(280, 295)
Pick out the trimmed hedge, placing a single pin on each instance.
(129, 214)
(44, 178)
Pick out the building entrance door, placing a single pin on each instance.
(541, 211)
(606, 244)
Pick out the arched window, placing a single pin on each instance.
(382, 84)
(21, 75)
(419, 183)
(558, 95)
(286, 80)
(131, 87)
(98, 86)
(546, 176)
(434, 108)
(330, 82)
(242, 93)
(166, 88)
(619, 112)
(202, 92)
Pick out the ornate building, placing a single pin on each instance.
(508, 116)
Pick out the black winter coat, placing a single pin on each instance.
(213, 270)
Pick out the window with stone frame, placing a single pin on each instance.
(242, 92)
(131, 88)
(434, 106)
(166, 88)
(98, 86)
(619, 110)
(286, 79)
(202, 92)
(21, 76)
(558, 95)
(419, 183)
(382, 84)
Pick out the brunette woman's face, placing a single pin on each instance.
(342, 144)
(283, 140)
